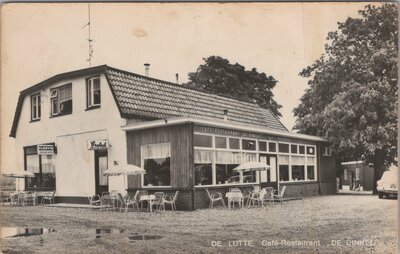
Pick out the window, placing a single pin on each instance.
(293, 148)
(345, 174)
(310, 173)
(298, 172)
(157, 163)
(61, 100)
(301, 149)
(283, 148)
(310, 150)
(327, 151)
(43, 167)
(249, 177)
(234, 143)
(248, 144)
(35, 107)
(262, 146)
(203, 174)
(202, 140)
(272, 147)
(283, 172)
(93, 92)
(357, 173)
(220, 142)
(225, 174)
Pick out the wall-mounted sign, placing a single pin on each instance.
(45, 149)
(97, 144)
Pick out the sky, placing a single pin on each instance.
(41, 40)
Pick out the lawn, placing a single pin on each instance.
(341, 224)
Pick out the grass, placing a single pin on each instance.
(324, 219)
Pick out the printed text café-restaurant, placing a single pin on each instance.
(73, 126)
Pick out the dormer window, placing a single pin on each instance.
(61, 100)
(35, 107)
(93, 92)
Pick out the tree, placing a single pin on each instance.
(217, 75)
(352, 93)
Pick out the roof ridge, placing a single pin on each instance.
(180, 86)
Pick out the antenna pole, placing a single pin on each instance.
(89, 39)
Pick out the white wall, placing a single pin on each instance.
(74, 163)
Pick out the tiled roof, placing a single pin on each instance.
(141, 96)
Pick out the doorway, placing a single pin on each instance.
(101, 165)
(268, 178)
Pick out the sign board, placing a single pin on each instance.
(97, 144)
(45, 149)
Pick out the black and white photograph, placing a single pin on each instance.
(199, 127)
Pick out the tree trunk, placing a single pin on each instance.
(379, 162)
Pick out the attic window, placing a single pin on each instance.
(61, 100)
(35, 107)
(93, 92)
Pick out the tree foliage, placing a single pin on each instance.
(352, 93)
(217, 75)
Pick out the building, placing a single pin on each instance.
(356, 170)
(71, 127)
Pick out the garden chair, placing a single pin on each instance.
(48, 196)
(171, 200)
(215, 197)
(131, 201)
(279, 194)
(159, 201)
(29, 198)
(257, 198)
(13, 198)
(5, 197)
(94, 201)
(142, 193)
(269, 195)
(107, 201)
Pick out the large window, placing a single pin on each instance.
(298, 172)
(225, 174)
(202, 140)
(43, 167)
(35, 107)
(61, 100)
(310, 173)
(203, 174)
(93, 92)
(284, 172)
(157, 163)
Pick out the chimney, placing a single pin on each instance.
(177, 78)
(225, 115)
(146, 69)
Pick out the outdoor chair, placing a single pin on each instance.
(142, 193)
(48, 196)
(279, 194)
(215, 197)
(131, 201)
(5, 197)
(106, 201)
(29, 198)
(269, 195)
(13, 198)
(257, 198)
(94, 201)
(171, 200)
(158, 201)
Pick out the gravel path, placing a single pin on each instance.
(324, 224)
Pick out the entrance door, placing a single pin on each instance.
(101, 165)
(269, 177)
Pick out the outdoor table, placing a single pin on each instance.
(149, 199)
(234, 197)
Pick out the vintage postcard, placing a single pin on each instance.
(264, 127)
